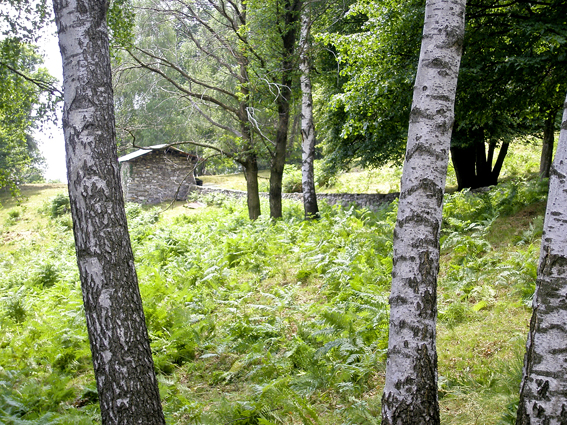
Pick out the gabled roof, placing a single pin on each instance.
(149, 149)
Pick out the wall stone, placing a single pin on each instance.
(372, 201)
(156, 177)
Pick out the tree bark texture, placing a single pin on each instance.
(122, 359)
(307, 124)
(290, 18)
(543, 393)
(547, 147)
(410, 392)
(248, 158)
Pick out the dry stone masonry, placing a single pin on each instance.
(372, 201)
(157, 174)
(161, 173)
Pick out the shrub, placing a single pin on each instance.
(324, 176)
(291, 182)
(15, 213)
(58, 206)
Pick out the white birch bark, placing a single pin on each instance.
(543, 393)
(307, 126)
(410, 392)
(122, 360)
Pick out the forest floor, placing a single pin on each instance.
(311, 301)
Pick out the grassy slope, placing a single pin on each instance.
(310, 301)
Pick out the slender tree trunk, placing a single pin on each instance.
(543, 393)
(547, 148)
(490, 155)
(290, 18)
(250, 162)
(252, 192)
(278, 160)
(498, 165)
(293, 133)
(307, 125)
(122, 359)
(410, 392)
(482, 166)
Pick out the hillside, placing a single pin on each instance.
(310, 299)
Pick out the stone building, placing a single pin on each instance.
(156, 174)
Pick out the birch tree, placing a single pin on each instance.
(307, 124)
(410, 392)
(123, 366)
(543, 394)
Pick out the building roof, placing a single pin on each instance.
(149, 149)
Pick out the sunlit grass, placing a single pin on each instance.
(522, 160)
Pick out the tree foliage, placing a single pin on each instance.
(27, 100)
(512, 76)
(23, 19)
(367, 120)
(229, 69)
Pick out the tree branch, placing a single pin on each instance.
(43, 85)
(200, 96)
(183, 73)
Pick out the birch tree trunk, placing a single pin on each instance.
(410, 392)
(307, 125)
(122, 359)
(543, 393)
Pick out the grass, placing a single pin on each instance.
(236, 181)
(22, 222)
(520, 162)
(311, 301)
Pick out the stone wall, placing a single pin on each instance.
(157, 177)
(372, 201)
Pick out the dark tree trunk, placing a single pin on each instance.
(290, 18)
(482, 167)
(250, 161)
(278, 160)
(465, 169)
(122, 359)
(295, 130)
(547, 148)
(473, 165)
(495, 173)
(252, 192)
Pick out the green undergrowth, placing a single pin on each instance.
(272, 322)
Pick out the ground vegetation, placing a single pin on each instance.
(312, 298)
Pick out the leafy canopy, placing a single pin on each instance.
(23, 107)
(512, 74)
